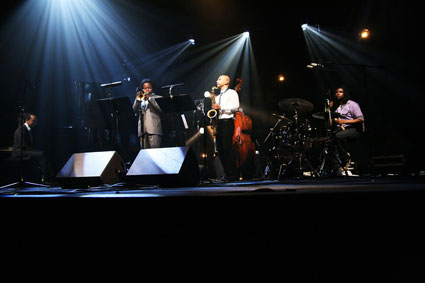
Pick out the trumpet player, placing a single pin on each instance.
(226, 103)
(149, 112)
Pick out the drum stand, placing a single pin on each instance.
(271, 165)
(268, 168)
(298, 156)
(331, 156)
(301, 164)
(273, 129)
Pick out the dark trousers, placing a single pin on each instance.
(342, 137)
(150, 141)
(226, 153)
(38, 159)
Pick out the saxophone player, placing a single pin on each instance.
(149, 112)
(226, 103)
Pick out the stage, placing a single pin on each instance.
(214, 188)
(263, 230)
(125, 215)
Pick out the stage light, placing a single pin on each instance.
(304, 26)
(364, 34)
(192, 41)
(221, 57)
(281, 78)
(246, 34)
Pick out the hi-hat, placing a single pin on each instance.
(289, 105)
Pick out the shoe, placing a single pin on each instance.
(344, 172)
(340, 172)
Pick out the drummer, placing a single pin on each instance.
(349, 123)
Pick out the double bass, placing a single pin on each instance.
(242, 143)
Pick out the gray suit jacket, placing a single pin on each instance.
(150, 118)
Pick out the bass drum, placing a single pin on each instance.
(284, 137)
(296, 137)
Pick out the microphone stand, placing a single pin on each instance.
(330, 135)
(205, 154)
(114, 125)
(330, 155)
(141, 125)
(21, 183)
(170, 89)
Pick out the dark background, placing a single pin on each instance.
(287, 235)
(389, 87)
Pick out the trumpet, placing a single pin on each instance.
(141, 95)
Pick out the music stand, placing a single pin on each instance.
(116, 111)
(177, 103)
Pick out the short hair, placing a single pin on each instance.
(27, 116)
(21, 119)
(146, 81)
(140, 86)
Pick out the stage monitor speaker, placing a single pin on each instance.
(168, 167)
(91, 169)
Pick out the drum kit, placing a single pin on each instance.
(296, 148)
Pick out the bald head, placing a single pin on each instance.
(223, 81)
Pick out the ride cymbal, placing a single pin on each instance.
(292, 105)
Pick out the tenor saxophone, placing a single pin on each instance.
(212, 113)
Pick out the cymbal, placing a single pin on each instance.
(325, 115)
(289, 105)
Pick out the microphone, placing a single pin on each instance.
(171, 88)
(173, 85)
(112, 84)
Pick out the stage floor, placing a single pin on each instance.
(301, 230)
(210, 188)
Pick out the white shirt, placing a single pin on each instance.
(145, 103)
(229, 103)
(28, 127)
